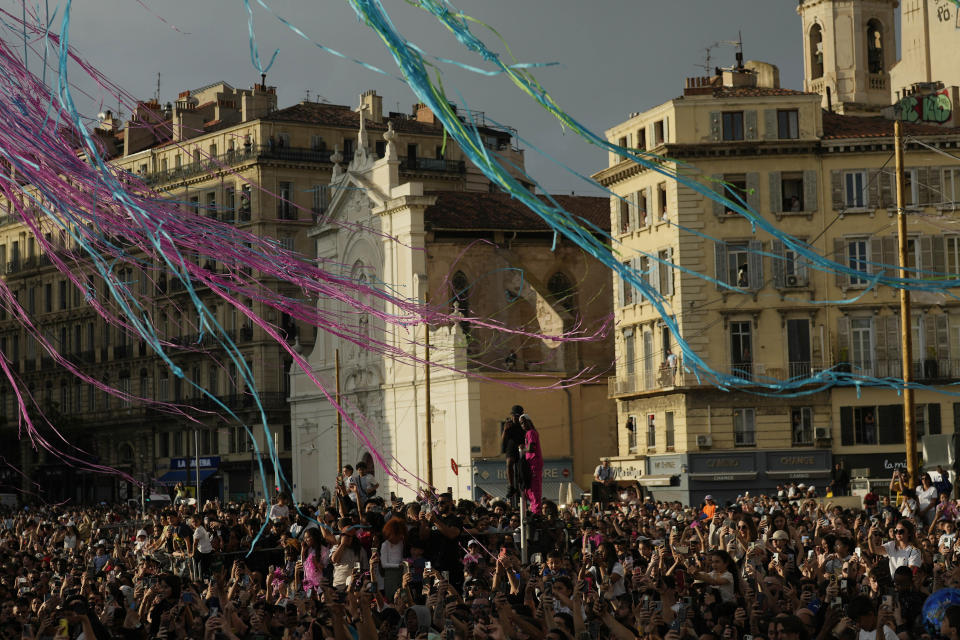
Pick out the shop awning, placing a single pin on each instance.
(186, 476)
(655, 481)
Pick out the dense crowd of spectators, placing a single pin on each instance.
(369, 566)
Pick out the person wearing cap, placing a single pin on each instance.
(512, 437)
(710, 508)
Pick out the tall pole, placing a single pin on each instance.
(339, 417)
(429, 421)
(906, 334)
(196, 462)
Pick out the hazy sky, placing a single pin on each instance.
(616, 56)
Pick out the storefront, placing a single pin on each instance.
(872, 470)
(490, 477)
(725, 475)
(185, 470)
(666, 478)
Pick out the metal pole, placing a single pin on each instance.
(429, 422)
(196, 461)
(523, 517)
(906, 334)
(336, 355)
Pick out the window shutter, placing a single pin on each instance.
(890, 424)
(933, 419)
(886, 190)
(929, 327)
(934, 187)
(750, 124)
(836, 189)
(892, 331)
(720, 250)
(840, 256)
(776, 196)
(655, 276)
(755, 261)
(926, 257)
(943, 338)
(770, 129)
(649, 208)
(632, 211)
(671, 272)
(872, 189)
(778, 265)
(890, 254)
(811, 194)
(620, 284)
(718, 207)
(876, 256)
(924, 195)
(753, 191)
(716, 126)
(939, 265)
(666, 129)
(846, 426)
(880, 349)
(843, 340)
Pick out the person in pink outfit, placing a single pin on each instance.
(534, 458)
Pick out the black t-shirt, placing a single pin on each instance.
(513, 437)
(447, 552)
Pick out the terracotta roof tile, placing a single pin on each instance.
(837, 126)
(755, 92)
(337, 115)
(485, 211)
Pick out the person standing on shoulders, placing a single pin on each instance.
(512, 438)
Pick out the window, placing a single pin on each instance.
(629, 351)
(48, 297)
(205, 442)
(163, 387)
(816, 52)
(626, 289)
(668, 424)
(283, 140)
(641, 208)
(211, 205)
(632, 426)
(736, 190)
(738, 260)
(874, 46)
(287, 242)
(229, 203)
(953, 254)
(624, 216)
(164, 447)
(659, 132)
(63, 295)
(662, 201)
(194, 206)
(562, 292)
(788, 124)
(927, 420)
(733, 125)
(861, 345)
(911, 188)
(320, 196)
(855, 189)
(744, 429)
(642, 138)
(649, 360)
(651, 431)
(665, 272)
(317, 143)
(285, 208)
(864, 425)
(791, 189)
(741, 349)
(245, 200)
(801, 421)
(178, 443)
(125, 389)
(287, 441)
(951, 186)
(857, 259)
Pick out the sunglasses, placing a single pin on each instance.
(899, 531)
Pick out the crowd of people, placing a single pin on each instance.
(366, 566)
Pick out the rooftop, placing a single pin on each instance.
(464, 211)
(337, 115)
(837, 126)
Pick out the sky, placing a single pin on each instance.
(614, 56)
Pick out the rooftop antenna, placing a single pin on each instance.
(308, 95)
(158, 88)
(707, 67)
(263, 81)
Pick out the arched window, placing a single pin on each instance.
(359, 276)
(460, 293)
(816, 52)
(874, 46)
(562, 292)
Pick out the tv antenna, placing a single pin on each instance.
(738, 43)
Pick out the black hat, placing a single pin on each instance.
(517, 410)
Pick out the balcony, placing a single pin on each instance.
(927, 370)
(664, 378)
(286, 211)
(432, 164)
(237, 156)
(877, 82)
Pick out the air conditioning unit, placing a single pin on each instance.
(793, 281)
(705, 441)
(822, 433)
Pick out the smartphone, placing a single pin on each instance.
(427, 566)
(836, 603)
(888, 602)
(810, 554)
(356, 566)
(680, 619)
(188, 597)
(446, 575)
(858, 553)
(844, 585)
(682, 549)
(63, 628)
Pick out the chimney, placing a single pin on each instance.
(374, 105)
(735, 78)
(423, 113)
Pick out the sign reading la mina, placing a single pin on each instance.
(723, 462)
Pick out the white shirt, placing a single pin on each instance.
(617, 588)
(909, 557)
(279, 511)
(926, 496)
(201, 540)
(391, 555)
(888, 634)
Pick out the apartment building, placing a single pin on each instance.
(220, 152)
